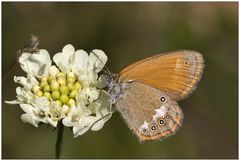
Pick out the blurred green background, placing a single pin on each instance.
(128, 32)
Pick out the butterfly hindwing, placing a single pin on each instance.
(149, 112)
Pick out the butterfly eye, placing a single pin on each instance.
(167, 117)
(144, 130)
(162, 99)
(161, 122)
(153, 127)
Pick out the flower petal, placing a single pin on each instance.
(80, 61)
(98, 125)
(36, 64)
(24, 95)
(88, 77)
(29, 119)
(97, 60)
(102, 81)
(21, 80)
(13, 102)
(64, 59)
(93, 94)
(27, 108)
(68, 49)
(79, 130)
(28, 82)
(41, 103)
(67, 122)
(51, 122)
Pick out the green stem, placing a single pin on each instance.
(59, 140)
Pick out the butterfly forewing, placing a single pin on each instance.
(149, 112)
(176, 73)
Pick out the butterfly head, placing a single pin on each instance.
(113, 86)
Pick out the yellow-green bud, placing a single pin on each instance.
(54, 86)
(51, 79)
(70, 86)
(47, 94)
(60, 74)
(58, 102)
(78, 85)
(73, 93)
(46, 88)
(71, 102)
(71, 77)
(70, 74)
(44, 79)
(64, 98)
(43, 83)
(35, 88)
(63, 89)
(62, 81)
(39, 93)
(55, 95)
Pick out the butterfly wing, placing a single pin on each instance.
(149, 112)
(176, 73)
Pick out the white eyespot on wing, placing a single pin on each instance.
(160, 112)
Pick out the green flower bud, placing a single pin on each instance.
(62, 81)
(47, 94)
(63, 89)
(78, 85)
(70, 86)
(58, 102)
(46, 88)
(71, 102)
(73, 93)
(44, 79)
(51, 79)
(64, 98)
(55, 95)
(71, 77)
(60, 74)
(43, 83)
(70, 74)
(54, 86)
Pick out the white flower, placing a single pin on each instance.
(71, 91)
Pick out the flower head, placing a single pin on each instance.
(70, 91)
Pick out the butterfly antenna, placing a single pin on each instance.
(106, 70)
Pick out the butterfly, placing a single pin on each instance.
(146, 92)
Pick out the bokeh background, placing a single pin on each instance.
(128, 32)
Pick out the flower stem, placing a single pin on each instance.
(59, 140)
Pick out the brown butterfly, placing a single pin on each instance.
(146, 92)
